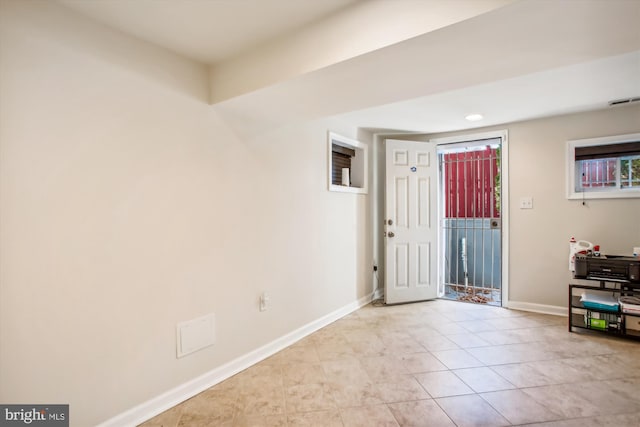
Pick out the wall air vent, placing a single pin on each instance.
(623, 101)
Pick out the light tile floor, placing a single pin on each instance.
(435, 363)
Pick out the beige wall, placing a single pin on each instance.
(538, 238)
(127, 205)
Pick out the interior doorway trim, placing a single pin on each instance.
(504, 182)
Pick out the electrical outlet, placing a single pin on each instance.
(264, 301)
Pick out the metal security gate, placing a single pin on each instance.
(471, 225)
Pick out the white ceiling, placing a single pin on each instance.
(528, 59)
(207, 31)
(574, 88)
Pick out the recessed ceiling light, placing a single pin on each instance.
(474, 117)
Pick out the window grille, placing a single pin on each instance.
(606, 167)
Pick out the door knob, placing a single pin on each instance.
(390, 234)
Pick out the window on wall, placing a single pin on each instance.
(630, 172)
(341, 160)
(347, 165)
(599, 174)
(604, 167)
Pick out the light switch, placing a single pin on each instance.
(526, 202)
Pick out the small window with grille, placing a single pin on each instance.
(604, 167)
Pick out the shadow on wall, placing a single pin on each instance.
(116, 49)
(365, 278)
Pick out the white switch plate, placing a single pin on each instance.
(526, 202)
(264, 301)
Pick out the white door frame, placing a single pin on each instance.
(504, 200)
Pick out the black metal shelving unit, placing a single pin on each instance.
(599, 320)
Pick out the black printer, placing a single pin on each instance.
(610, 268)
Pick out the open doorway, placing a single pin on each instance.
(470, 190)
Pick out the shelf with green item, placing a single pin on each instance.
(601, 321)
(604, 309)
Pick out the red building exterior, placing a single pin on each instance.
(470, 184)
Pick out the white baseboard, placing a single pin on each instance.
(378, 293)
(538, 308)
(169, 399)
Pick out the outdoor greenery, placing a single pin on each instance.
(496, 188)
(630, 171)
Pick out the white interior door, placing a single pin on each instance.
(410, 221)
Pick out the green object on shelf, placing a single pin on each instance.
(597, 323)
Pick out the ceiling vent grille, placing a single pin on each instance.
(623, 101)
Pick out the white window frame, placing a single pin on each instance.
(359, 164)
(605, 193)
